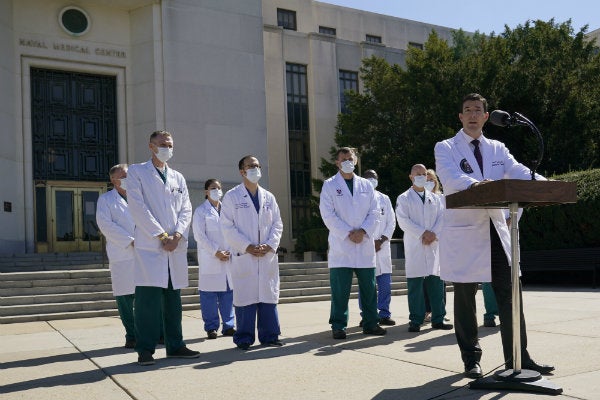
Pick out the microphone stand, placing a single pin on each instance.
(522, 120)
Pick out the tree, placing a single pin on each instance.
(541, 69)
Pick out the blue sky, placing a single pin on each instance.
(472, 15)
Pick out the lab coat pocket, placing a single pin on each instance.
(243, 266)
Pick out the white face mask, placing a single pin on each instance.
(164, 154)
(347, 166)
(215, 194)
(123, 183)
(253, 175)
(373, 182)
(419, 180)
(429, 185)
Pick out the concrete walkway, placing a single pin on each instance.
(84, 358)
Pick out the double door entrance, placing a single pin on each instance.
(70, 213)
(75, 143)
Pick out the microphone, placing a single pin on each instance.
(504, 119)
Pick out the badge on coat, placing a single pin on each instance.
(464, 165)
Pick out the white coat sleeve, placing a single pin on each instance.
(274, 236)
(184, 216)
(113, 232)
(238, 241)
(332, 221)
(404, 221)
(142, 216)
(389, 220)
(371, 221)
(199, 231)
(449, 173)
(438, 226)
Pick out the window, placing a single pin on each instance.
(373, 39)
(299, 143)
(327, 30)
(74, 21)
(348, 81)
(286, 19)
(416, 45)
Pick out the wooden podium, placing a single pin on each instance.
(513, 194)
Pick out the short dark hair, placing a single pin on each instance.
(474, 97)
(241, 163)
(210, 182)
(160, 133)
(344, 150)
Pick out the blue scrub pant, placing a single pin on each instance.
(384, 295)
(267, 323)
(125, 307)
(416, 299)
(489, 301)
(214, 303)
(149, 300)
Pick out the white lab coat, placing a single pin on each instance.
(465, 242)
(343, 212)
(212, 272)
(414, 218)
(386, 227)
(255, 279)
(116, 224)
(158, 207)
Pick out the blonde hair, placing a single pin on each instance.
(437, 189)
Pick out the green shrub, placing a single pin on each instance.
(565, 226)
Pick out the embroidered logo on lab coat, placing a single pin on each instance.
(464, 165)
(241, 205)
(497, 163)
(339, 192)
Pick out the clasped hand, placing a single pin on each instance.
(259, 250)
(428, 237)
(356, 235)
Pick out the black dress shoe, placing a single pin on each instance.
(414, 328)
(338, 334)
(376, 330)
(442, 326)
(489, 323)
(387, 321)
(473, 370)
(541, 368)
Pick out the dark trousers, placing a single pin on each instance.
(149, 302)
(465, 313)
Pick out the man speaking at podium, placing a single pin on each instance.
(475, 244)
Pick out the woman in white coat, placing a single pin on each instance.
(420, 215)
(214, 285)
(117, 226)
(252, 226)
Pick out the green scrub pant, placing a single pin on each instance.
(340, 280)
(489, 301)
(149, 301)
(125, 307)
(416, 299)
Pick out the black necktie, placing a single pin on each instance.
(477, 153)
